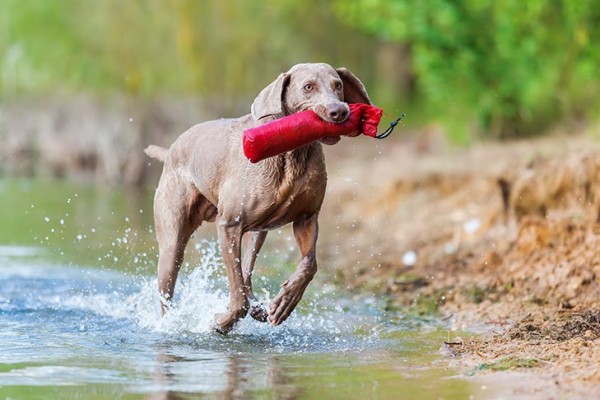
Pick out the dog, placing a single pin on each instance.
(206, 177)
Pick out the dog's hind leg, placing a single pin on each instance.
(176, 217)
(253, 242)
(230, 239)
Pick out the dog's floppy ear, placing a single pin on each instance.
(354, 90)
(270, 101)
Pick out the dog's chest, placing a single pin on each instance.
(297, 191)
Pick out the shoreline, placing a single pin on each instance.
(434, 233)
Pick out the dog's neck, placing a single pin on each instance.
(292, 164)
(284, 169)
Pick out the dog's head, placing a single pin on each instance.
(317, 87)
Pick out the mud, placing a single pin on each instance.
(499, 240)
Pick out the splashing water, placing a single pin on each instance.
(133, 303)
(203, 293)
(198, 297)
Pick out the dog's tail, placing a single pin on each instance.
(156, 152)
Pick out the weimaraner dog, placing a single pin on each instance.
(207, 178)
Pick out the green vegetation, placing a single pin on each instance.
(477, 294)
(427, 304)
(482, 68)
(181, 47)
(512, 67)
(507, 363)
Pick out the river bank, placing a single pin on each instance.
(499, 240)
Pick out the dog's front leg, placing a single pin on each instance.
(305, 231)
(253, 242)
(230, 235)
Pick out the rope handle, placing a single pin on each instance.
(390, 129)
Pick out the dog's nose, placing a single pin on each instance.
(337, 112)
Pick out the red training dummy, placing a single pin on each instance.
(296, 130)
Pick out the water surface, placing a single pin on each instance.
(80, 317)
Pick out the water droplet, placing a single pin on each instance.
(409, 258)
(472, 225)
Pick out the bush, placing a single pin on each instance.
(505, 68)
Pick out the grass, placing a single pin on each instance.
(508, 363)
(427, 304)
(476, 294)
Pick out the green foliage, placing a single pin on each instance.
(183, 47)
(427, 304)
(50, 44)
(508, 363)
(476, 294)
(507, 67)
(482, 67)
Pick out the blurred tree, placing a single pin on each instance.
(185, 47)
(498, 68)
(510, 66)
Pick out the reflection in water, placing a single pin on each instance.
(280, 381)
(239, 380)
(164, 376)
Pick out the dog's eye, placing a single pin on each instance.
(338, 86)
(308, 87)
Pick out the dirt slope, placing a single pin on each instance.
(500, 239)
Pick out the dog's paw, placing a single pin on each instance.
(259, 312)
(220, 330)
(224, 323)
(282, 305)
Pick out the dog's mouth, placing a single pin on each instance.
(331, 140)
(335, 114)
(338, 114)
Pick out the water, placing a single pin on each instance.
(80, 318)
